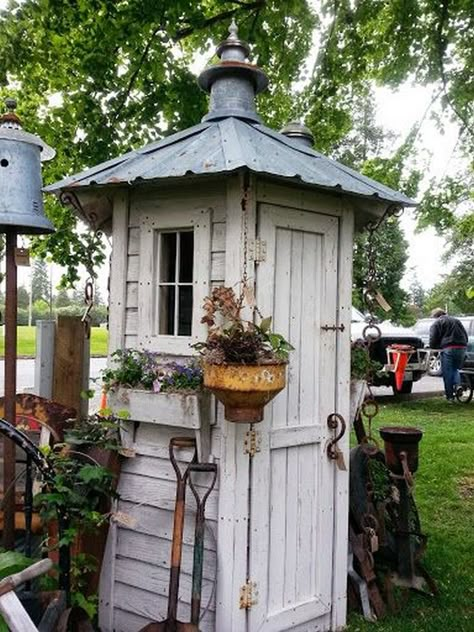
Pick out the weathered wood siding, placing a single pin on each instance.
(138, 574)
(134, 583)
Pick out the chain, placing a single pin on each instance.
(371, 332)
(245, 228)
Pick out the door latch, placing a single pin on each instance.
(333, 327)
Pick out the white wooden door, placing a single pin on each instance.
(292, 479)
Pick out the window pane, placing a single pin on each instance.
(185, 311)
(166, 307)
(168, 257)
(186, 253)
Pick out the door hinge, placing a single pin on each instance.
(257, 250)
(252, 442)
(248, 595)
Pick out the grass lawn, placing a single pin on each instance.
(445, 496)
(27, 342)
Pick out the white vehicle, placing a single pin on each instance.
(392, 334)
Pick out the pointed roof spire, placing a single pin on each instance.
(233, 82)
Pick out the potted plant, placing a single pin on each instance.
(244, 363)
(362, 369)
(151, 388)
(83, 481)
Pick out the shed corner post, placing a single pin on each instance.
(233, 524)
(341, 483)
(117, 306)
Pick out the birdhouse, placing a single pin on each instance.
(188, 213)
(21, 154)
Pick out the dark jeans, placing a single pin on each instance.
(451, 361)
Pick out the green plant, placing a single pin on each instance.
(151, 371)
(231, 339)
(79, 490)
(362, 366)
(96, 430)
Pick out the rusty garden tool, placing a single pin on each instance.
(171, 624)
(199, 536)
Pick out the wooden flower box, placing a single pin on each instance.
(190, 411)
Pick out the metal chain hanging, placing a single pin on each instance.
(69, 198)
(371, 332)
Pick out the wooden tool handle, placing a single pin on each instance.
(35, 570)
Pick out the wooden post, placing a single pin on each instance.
(69, 361)
(45, 332)
(9, 453)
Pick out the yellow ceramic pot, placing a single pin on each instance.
(244, 389)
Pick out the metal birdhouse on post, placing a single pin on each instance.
(21, 213)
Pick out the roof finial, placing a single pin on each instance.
(298, 131)
(233, 30)
(10, 104)
(233, 82)
(10, 118)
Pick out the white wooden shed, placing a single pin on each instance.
(182, 212)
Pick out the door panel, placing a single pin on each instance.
(292, 480)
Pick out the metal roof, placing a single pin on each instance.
(224, 146)
(231, 137)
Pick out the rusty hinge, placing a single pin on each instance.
(252, 442)
(333, 327)
(248, 595)
(257, 250)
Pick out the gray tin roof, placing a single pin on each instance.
(224, 146)
(231, 137)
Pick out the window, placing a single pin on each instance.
(175, 282)
(174, 270)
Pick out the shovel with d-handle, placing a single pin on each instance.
(171, 624)
(199, 536)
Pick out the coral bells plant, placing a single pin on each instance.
(233, 340)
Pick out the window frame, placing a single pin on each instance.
(151, 225)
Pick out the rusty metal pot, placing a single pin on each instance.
(244, 389)
(400, 441)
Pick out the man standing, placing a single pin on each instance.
(448, 334)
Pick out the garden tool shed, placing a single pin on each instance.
(224, 196)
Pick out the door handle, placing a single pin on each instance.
(335, 420)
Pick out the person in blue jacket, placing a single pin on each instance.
(448, 334)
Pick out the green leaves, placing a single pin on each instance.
(101, 77)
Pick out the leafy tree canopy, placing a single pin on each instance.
(98, 77)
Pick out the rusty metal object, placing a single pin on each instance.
(244, 389)
(52, 415)
(210, 468)
(74, 620)
(333, 422)
(401, 443)
(9, 456)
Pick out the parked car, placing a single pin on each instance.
(422, 329)
(392, 334)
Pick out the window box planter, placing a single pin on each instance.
(186, 410)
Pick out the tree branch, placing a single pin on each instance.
(442, 45)
(135, 73)
(247, 6)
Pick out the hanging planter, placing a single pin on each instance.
(244, 363)
(244, 389)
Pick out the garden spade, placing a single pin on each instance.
(199, 535)
(171, 624)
